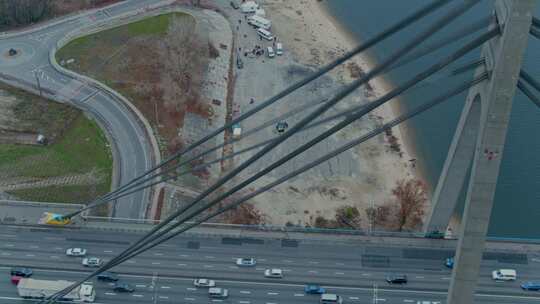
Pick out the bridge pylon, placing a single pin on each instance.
(478, 146)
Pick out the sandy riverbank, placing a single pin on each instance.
(361, 177)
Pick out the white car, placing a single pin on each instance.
(246, 262)
(92, 262)
(204, 283)
(273, 273)
(76, 252)
(504, 275)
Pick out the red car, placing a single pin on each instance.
(15, 279)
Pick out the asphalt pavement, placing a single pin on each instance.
(133, 149)
(166, 273)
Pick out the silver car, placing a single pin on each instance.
(246, 262)
(76, 252)
(204, 283)
(92, 262)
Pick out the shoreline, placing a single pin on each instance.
(405, 132)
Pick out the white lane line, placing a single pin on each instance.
(339, 273)
(313, 271)
(445, 278)
(209, 257)
(163, 297)
(259, 268)
(107, 251)
(354, 298)
(8, 235)
(270, 303)
(158, 253)
(313, 262)
(9, 245)
(382, 300)
(137, 295)
(340, 264)
(208, 266)
(132, 261)
(298, 294)
(216, 300)
(233, 267)
(273, 293)
(245, 292)
(58, 248)
(419, 277)
(166, 287)
(5, 253)
(54, 257)
(156, 263)
(287, 261)
(189, 299)
(181, 264)
(184, 255)
(34, 246)
(262, 260)
(366, 274)
(244, 302)
(140, 286)
(53, 238)
(408, 301)
(30, 255)
(286, 270)
(191, 289)
(110, 293)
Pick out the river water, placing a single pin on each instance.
(517, 200)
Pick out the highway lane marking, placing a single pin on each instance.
(273, 293)
(137, 295)
(245, 292)
(132, 261)
(191, 289)
(259, 268)
(5, 253)
(30, 255)
(181, 264)
(156, 263)
(353, 298)
(158, 253)
(163, 297)
(298, 295)
(216, 300)
(445, 278)
(286, 270)
(110, 293)
(208, 266)
(262, 260)
(244, 302)
(184, 255)
(166, 287)
(54, 257)
(419, 277)
(54, 238)
(287, 261)
(313, 271)
(340, 264)
(9, 245)
(209, 257)
(140, 285)
(339, 273)
(408, 301)
(107, 251)
(313, 262)
(270, 303)
(8, 235)
(34, 246)
(366, 274)
(233, 267)
(189, 299)
(368, 289)
(58, 248)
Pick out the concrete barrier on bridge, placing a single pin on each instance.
(23, 212)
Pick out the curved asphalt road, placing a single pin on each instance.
(133, 153)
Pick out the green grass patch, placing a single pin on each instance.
(152, 26)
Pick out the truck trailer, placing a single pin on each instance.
(39, 289)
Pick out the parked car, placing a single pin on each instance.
(76, 252)
(218, 293)
(273, 273)
(270, 52)
(279, 49)
(123, 287)
(92, 262)
(449, 262)
(21, 272)
(107, 277)
(504, 275)
(246, 262)
(239, 63)
(282, 126)
(314, 289)
(530, 286)
(204, 283)
(396, 279)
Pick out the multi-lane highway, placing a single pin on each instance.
(32, 64)
(165, 274)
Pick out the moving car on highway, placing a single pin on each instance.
(449, 262)
(275, 273)
(92, 262)
(504, 275)
(204, 283)
(396, 279)
(218, 293)
(246, 262)
(76, 252)
(21, 272)
(123, 287)
(107, 277)
(330, 298)
(314, 289)
(531, 286)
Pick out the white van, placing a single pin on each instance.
(265, 34)
(279, 49)
(504, 275)
(270, 52)
(218, 293)
(259, 22)
(330, 298)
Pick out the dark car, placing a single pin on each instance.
(314, 289)
(396, 279)
(282, 126)
(234, 5)
(435, 235)
(449, 263)
(123, 287)
(239, 63)
(107, 277)
(531, 286)
(21, 272)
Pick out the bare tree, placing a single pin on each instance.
(410, 197)
(379, 216)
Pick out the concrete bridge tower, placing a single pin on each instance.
(478, 145)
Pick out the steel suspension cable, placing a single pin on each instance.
(523, 88)
(369, 43)
(319, 111)
(418, 110)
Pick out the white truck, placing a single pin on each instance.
(39, 289)
(260, 22)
